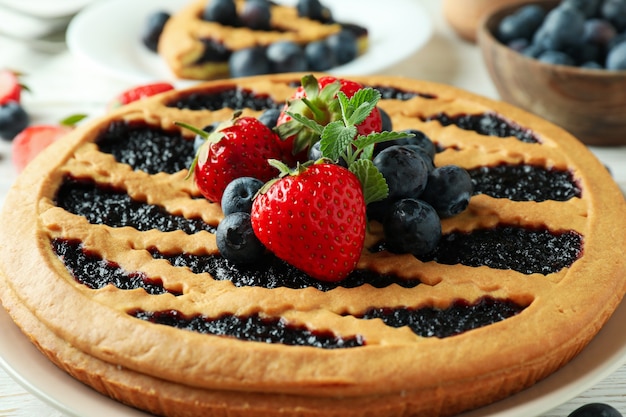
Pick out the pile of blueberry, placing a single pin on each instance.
(279, 57)
(420, 194)
(595, 410)
(585, 33)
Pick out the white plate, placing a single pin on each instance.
(107, 35)
(603, 356)
(47, 9)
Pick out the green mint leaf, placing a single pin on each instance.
(363, 141)
(363, 102)
(72, 120)
(345, 107)
(336, 137)
(374, 185)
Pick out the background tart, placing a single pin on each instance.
(109, 264)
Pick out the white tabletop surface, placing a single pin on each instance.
(62, 85)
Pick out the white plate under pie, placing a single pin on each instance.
(106, 35)
(603, 356)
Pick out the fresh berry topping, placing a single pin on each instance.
(256, 15)
(238, 195)
(286, 56)
(13, 119)
(32, 140)
(412, 226)
(414, 137)
(153, 28)
(236, 240)
(270, 117)
(313, 9)
(448, 190)
(237, 148)
(10, 87)
(319, 56)
(221, 11)
(249, 61)
(595, 410)
(314, 219)
(404, 170)
(343, 45)
(317, 100)
(140, 92)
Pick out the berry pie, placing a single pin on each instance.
(109, 264)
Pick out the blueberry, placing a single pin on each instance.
(616, 59)
(256, 15)
(236, 240)
(430, 164)
(221, 11)
(533, 50)
(615, 12)
(562, 28)
(344, 46)
(238, 195)
(387, 124)
(286, 56)
(404, 170)
(518, 44)
(153, 28)
(249, 61)
(590, 8)
(270, 117)
(412, 226)
(449, 190)
(522, 24)
(319, 56)
(13, 119)
(419, 139)
(213, 51)
(313, 9)
(595, 410)
(592, 65)
(599, 31)
(556, 58)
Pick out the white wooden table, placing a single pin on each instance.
(62, 85)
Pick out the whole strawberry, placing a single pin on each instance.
(238, 148)
(317, 100)
(313, 218)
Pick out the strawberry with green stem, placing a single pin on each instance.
(313, 216)
(317, 100)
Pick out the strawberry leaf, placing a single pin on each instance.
(308, 123)
(374, 185)
(72, 120)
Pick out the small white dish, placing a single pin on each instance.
(107, 36)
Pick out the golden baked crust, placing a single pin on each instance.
(181, 47)
(172, 372)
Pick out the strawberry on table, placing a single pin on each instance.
(314, 219)
(34, 139)
(139, 92)
(238, 148)
(10, 87)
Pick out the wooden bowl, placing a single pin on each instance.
(589, 103)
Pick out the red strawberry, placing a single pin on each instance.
(139, 92)
(32, 140)
(239, 148)
(316, 99)
(10, 87)
(314, 219)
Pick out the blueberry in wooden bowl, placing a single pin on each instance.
(564, 60)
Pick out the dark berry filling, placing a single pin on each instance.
(488, 124)
(218, 98)
(101, 204)
(274, 273)
(393, 93)
(250, 328)
(524, 183)
(460, 317)
(147, 148)
(94, 272)
(506, 247)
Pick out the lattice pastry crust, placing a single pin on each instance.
(96, 335)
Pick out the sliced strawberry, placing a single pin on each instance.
(10, 87)
(34, 139)
(140, 92)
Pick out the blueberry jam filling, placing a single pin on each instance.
(94, 272)
(524, 183)
(147, 148)
(392, 93)
(488, 124)
(235, 98)
(101, 204)
(250, 328)
(274, 273)
(460, 317)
